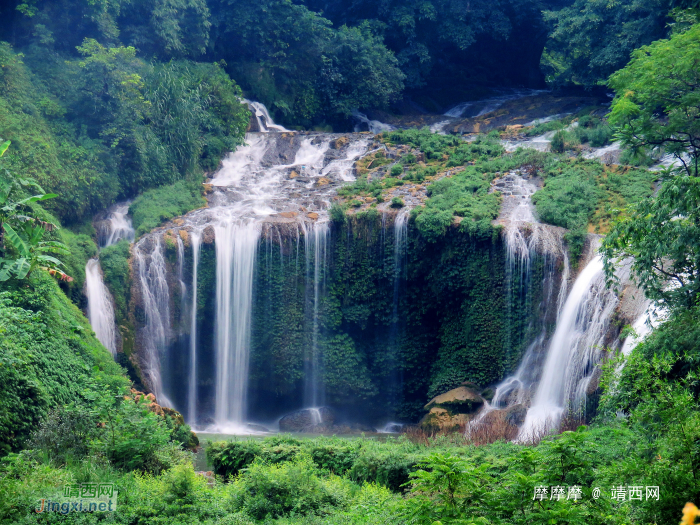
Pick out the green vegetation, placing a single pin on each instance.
(48, 357)
(106, 124)
(155, 206)
(661, 233)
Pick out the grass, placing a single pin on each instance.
(150, 209)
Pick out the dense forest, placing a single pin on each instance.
(319, 261)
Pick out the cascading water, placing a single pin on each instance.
(373, 126)
(116, 226)
(236, 246)
(525, 240)
(100, 309)
(265, 122)
(155, 297)
(195, 240)
(317, 243)
(574, 350)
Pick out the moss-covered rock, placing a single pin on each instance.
(460, 400)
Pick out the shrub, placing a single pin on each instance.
(229, 458)
(396, 202)
(396, 170)
(558, 143)
(153, 207)
(337, 214)
(279, 490)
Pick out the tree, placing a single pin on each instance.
(657, 104)
(591, 39)
(26, 244)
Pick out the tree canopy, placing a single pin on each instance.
(657, 105)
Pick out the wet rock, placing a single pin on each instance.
(340, 142)
(208, 235)
(313, 216)
(323, 181)
(288, 214)
(307, 419)
(293, 174)
(515, 415)
(460, 400)
(208, 188)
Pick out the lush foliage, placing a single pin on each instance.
(49, 357)
(110, 125)
(593, 39)
(657, 104)
(657, 101)
(153, 207)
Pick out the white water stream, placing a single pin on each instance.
(100, 309)
(100, 304)
(574, 350)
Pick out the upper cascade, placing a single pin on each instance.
(263, 118)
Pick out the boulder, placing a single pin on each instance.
(307, 419)
(208, 235)
(515, 415)
(460, 400)
(441, 419)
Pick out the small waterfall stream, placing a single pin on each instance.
(100, 309)
(195, 240)
(317, 244)
(236, 246)
(152, 277)
(100, 304)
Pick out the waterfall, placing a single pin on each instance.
(155, 299)
(116, 226)
(574, 350)
(180, 269)
(195, 240)
(265, 122)
(236, 245)
(100, 309)
(100, 304)
(316, 241)
(257, 191)
(374, 126)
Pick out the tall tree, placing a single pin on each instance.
(657, 105)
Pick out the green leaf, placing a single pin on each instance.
(3, 147)
(16, 241)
